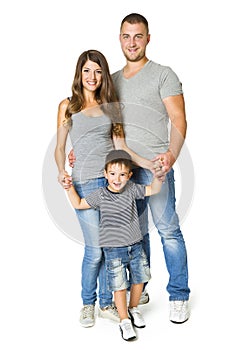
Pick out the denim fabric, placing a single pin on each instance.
(125, 265)
(93, 261)
(165, 218)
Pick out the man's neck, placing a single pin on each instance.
(132, 68)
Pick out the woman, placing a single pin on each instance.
(92, 118)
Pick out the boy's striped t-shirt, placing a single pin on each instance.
(119, 222)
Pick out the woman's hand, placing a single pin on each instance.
(65, 179)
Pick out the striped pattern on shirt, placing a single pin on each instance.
(119, 223)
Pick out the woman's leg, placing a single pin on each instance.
(92, 264)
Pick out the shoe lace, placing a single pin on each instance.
(127, 326)
(88, 311)
(112, 309)
(178, 305)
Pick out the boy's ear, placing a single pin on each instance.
(130, 174)
(105, 174)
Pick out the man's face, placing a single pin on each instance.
(134, 39)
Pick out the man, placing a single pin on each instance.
(152, 95)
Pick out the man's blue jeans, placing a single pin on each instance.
(93, 266)
(165, 218)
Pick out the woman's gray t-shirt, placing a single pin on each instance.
(91, 141)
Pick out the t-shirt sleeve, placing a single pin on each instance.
(139, 190)
(94, 198)
(170, 84)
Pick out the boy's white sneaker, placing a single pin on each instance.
(136, 317)
(179, 311)
(87, 318)
(127, 330)
(144, 298)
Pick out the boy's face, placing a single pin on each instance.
(117, 176)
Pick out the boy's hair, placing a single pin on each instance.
(134, 18)
(118, 157)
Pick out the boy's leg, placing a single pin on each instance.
(120, 299)
(135, 294)
(134, 312)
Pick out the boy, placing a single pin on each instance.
(120, 235)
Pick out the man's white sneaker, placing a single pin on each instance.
(127, 330)
(144, 299)
(179, 311)
(110, 312)
(136, 317)
(87, 318)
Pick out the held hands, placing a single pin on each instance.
(162, 164)
(65, 179)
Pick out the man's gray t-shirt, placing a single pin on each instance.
(119, 223)
(146, 121)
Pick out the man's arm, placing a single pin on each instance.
(175, 107)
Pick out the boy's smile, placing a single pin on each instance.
(117, 176)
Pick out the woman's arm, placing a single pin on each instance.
(120, 143)
(62, 133)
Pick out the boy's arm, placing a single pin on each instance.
(76, 201)
(154, 187)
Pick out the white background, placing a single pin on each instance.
(40, 266)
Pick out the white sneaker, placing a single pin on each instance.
(144, 298)
(127, 330)
(179, 311)
(87, 318)
(136, 317)
(110, 312)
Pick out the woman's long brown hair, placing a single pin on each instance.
(105, 95)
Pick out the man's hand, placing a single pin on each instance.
(71, 158)
(162, 164)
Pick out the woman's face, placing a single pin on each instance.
(91, 76)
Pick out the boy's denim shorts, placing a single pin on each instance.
(126, 266)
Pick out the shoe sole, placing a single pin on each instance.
(87, 325)
(177, 322)
(132, 319)
(129, 339)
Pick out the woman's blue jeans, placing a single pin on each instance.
(93, 266)
(165, 218)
